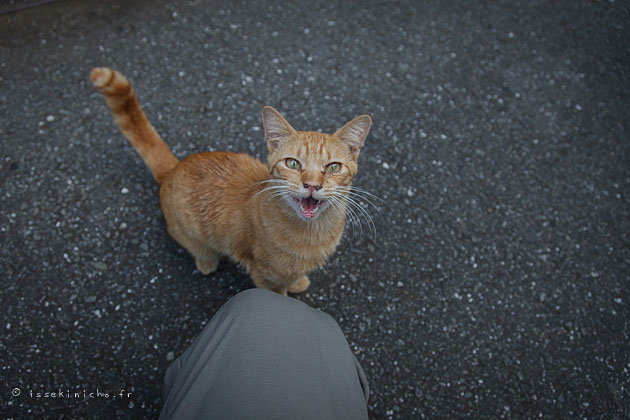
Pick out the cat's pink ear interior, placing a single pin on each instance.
(276, 127)
(353, 134)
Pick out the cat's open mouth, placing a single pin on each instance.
(308, 207)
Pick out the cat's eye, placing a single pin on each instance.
(333, 168)
(293, 164)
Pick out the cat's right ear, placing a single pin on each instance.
(276, 128)
(353, 134)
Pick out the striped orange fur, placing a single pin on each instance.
(280, 220)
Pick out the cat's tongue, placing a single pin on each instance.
(309, 206)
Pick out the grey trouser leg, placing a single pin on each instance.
(267, 356)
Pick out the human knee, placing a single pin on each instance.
(261, 306)
(254, 298)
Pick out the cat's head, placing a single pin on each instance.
(313, 170)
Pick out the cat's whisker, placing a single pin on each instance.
(364, 198)
(360, 210)
(273, 188)
(335, 202)
(356, 196)
(279, 194)
(364, 213)
(272, 180)
(276, 184)
(349, 212)
(360, 190)
(356, 191)
(341, 208)
(360, 198)
(355, 221)
(279, 182)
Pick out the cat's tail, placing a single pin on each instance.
(132, 121)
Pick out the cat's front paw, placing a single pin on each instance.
(300, 285)
(206, 266)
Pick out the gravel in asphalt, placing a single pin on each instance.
(496, 284)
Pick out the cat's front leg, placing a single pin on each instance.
(263, 280)
(300, 285)
(207, 263)
(206, 259)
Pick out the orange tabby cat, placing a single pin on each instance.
(280, 220)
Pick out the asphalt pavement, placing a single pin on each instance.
(496, 280)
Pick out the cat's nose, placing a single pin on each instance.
(312, 187)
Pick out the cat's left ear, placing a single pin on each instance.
(276, 127)
(353, 134)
